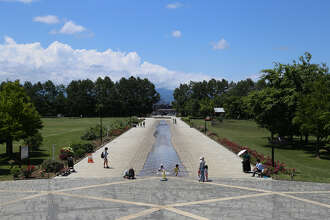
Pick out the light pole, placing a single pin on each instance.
(100, 115)
(273, 159)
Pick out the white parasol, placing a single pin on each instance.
(241, 152)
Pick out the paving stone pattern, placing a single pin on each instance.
(150, 198)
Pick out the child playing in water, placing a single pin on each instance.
(161, 168)
(176, 169)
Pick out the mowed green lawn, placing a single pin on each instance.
(301, 157)
(58, 131)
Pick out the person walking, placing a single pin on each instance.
(202, 169)
(206, 173)
(105, 157)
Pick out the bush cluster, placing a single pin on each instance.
(15, 171)
(52, 166)
(28, 170)
(116, 128)
(120, 124)
(93, 133)
(80, 149)
(135, 120)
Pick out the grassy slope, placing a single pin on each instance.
(300, 157)
(58, 131)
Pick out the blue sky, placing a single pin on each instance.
(169, 42)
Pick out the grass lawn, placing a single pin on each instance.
(301, 157)
(59, 131)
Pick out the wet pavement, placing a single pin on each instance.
(162, 153)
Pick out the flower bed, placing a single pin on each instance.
(278, 168)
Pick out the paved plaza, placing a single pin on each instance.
(150, 198)
(97, 193)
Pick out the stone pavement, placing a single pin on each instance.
(190, 144)
(150, 198)
(131, 149)
(128, 150)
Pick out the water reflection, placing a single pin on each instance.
(162, 152)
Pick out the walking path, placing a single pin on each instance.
(132, 148)
(191, 144)
(128, 150)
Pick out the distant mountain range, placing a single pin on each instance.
(166, 95)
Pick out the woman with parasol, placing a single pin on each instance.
(246, 160)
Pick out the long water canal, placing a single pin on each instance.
(162, 152)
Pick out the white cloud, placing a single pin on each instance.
(23, 1)
(61, 63)
(174, 5)
(220, 45)
(70, 28)
(48, 19)
(176, 34)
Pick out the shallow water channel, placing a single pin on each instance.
(162, 152)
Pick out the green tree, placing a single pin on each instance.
(137, 96)
(207, 107)
(181, 96)
(48, 99)
(192, 107)
(313, 111)
(106, 94)
(293, 81)
(234, 107)
(81, 98)
(18, 116)
(269, 108)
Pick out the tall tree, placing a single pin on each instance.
(181, 95)
(106, 95)
(137, 95)
(18, 116)
(81, 98)
(313, 112)
(269, 108)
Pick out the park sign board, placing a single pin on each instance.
(24, 152)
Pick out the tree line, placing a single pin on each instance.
(198, 99)
(288, 100)
(21, 106)
(132, 96)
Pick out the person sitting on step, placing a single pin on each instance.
(258, 169)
